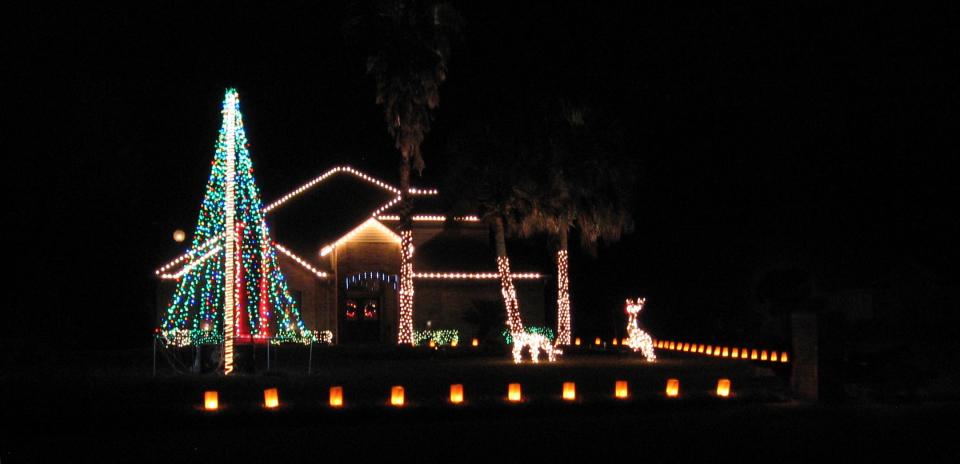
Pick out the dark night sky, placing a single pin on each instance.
(822, 138)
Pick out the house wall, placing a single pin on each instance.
(449, 304)
(318, 308)
(372, 254)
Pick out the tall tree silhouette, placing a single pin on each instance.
(486, 162)
(585, 183)
(407, 46)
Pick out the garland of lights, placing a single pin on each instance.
(534, 329)
(638, 339)
(405, 325)
(440, 336)
(563, 298)
(243, 277)
(325, 337)
(383, 277)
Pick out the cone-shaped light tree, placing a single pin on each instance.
(231, 289)
(407, 45)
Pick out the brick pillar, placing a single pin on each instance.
(803, 376)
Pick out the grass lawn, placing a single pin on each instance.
(119, 412)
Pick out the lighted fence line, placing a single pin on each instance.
(723, 351)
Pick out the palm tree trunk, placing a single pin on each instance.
(563, 290)
(514, 321)
(405, 323)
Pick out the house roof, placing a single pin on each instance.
(294, 222)
(343, 202)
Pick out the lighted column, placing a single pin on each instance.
(563, 298)
(405, 325)
(514, 322)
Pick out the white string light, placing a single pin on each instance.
(230, 287)
(514, 322)
(301, 261)
(349, 170)
(192, 264)
(563, 298)
(474, 275)
(429, 218)
(188, 254)
(372, 222)
(536, 343)
(638, 339)
(405, 329)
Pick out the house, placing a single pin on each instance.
(337, 242)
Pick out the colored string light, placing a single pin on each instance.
(231, 267)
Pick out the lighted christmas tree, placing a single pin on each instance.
(232, 245)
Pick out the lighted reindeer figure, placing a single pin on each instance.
(536, 343)
(636, 338)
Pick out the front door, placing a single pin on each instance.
(360, 319)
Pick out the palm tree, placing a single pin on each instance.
(486, 164)
(407, 45)
(581, 187)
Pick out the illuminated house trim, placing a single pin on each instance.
(342, 266)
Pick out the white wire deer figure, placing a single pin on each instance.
(535, 342)
(636, 338)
